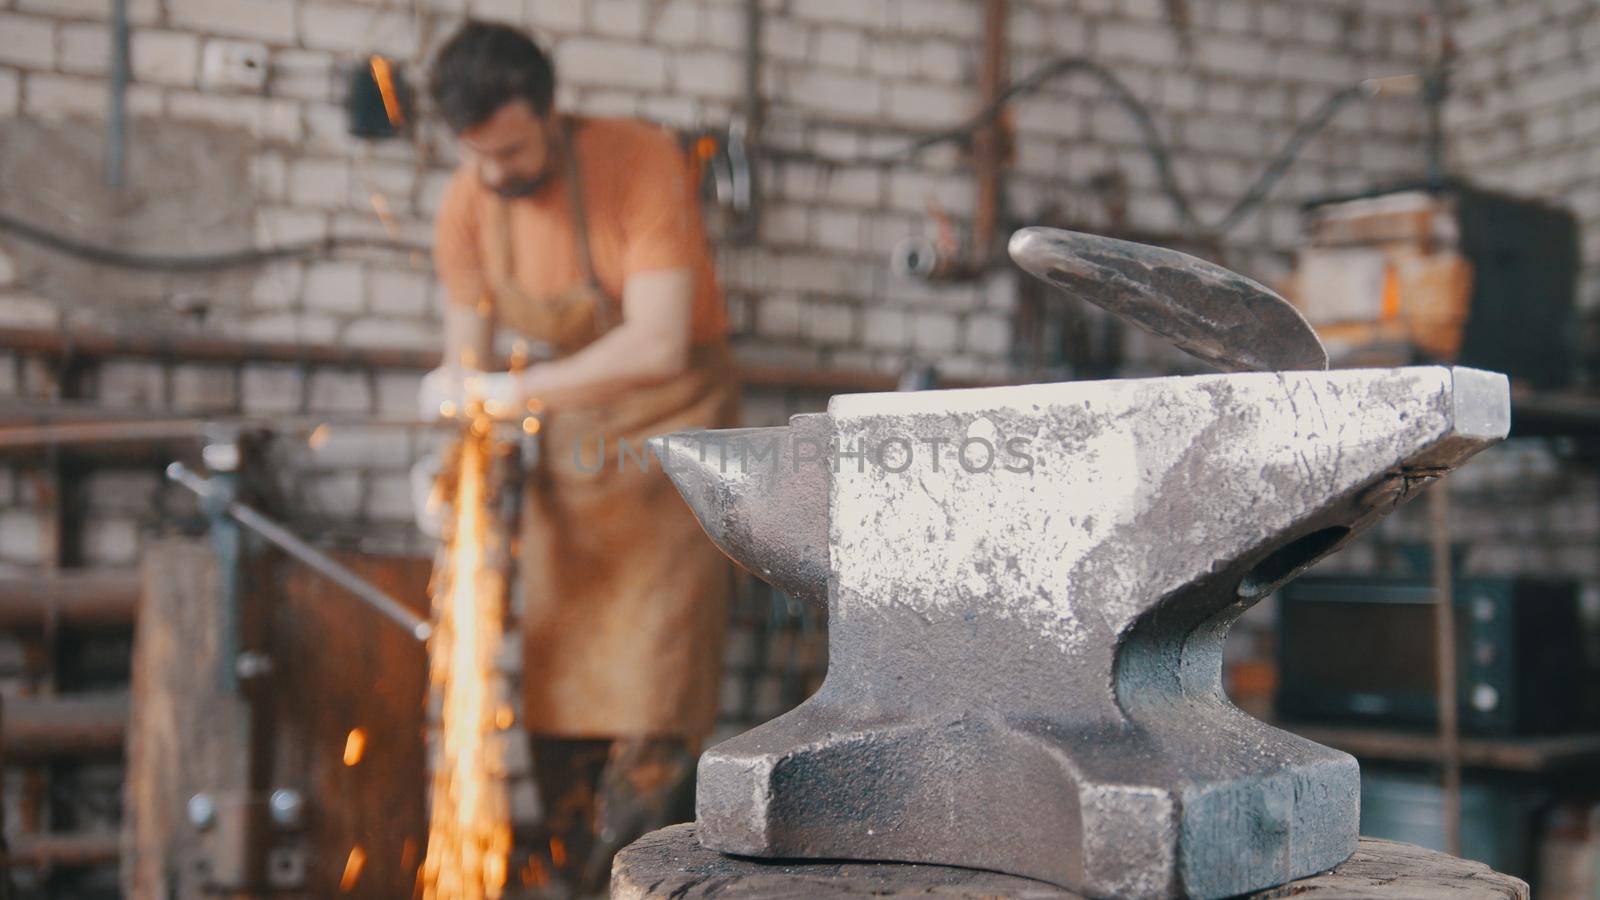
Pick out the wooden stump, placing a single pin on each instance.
(671, 863)
(336, 667)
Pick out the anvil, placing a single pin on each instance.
(1028, 592)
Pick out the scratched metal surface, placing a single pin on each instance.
(1025, 668)
(1212, 313)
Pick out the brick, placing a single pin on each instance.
(677, 23)
(708, 74)
(331, 391)
(305, 75)
(320, 183)
(397, 393)
(10, 93)
(336, 287)
(358, 447)
(829, 323)
(335, 494)
(606, 63)
(357, 29)
(833, 92)
(59, 96)
(725, 27)
(283, 224)
(407, 333)
(270, 119)
(278, 285)
(870, 13)
(204, 388)
(885, 328)
(122, 491)
(989, 335)
(84, 49)
(22, 536)
(394, 182)
(291, 328)
(130, 384)
(389, 498)
(929, 104)
(399, 292)
(265, 20)
(953, 18)
(673, 109)
(787, 40)
(842, 48)
(1151, 44)
(561, 16)
(1240, 56)
(617, 18)
(778, 316)
(110, 541)
(838, 229)
(25, 311)
(510, 12)
(164, 57)
(271, 389)
(27, 41)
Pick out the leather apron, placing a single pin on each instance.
(624, 597)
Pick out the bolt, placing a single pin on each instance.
(287, 807)
(251, 664)
(202, 811)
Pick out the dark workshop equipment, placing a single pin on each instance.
(1361, 650)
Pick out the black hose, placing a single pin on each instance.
(1153, 144)
(198, 262)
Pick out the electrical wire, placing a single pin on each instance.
(1151, 138)
(198, 262)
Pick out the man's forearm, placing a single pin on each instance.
(650, 346)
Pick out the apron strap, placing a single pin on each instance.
(605, 313)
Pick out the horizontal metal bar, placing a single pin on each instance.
(315, 559)
(38, 851)
(39, 729)
(89, 599)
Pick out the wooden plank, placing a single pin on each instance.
(346, 668)
(185, 736)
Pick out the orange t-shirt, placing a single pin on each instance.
(643, 216)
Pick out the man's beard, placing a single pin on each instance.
(513, 188)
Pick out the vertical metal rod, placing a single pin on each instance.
(1444, 641)
(986, 141)
(754, 112)
(116, 116)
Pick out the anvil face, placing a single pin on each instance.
(1029, 589)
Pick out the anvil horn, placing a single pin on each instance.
(766, 509)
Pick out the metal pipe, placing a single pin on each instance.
(96, 599)
(116, 116)
(37, 729)
(318, 561)
(1444, 641)
(986, 142)
(38, 851)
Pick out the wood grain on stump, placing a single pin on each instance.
(671, 863)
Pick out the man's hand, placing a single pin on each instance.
(448, 392)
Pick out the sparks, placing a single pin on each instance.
(469, 831)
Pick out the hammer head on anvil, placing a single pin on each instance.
(1212, 313)
(1028, 590)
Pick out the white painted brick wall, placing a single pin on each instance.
(842, 77)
